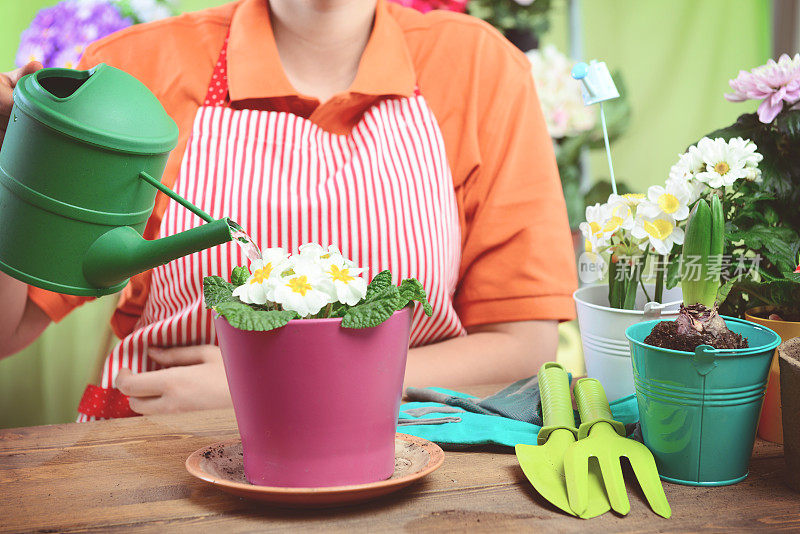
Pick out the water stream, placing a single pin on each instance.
(241, 238)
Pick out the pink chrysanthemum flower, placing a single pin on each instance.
(774, 83)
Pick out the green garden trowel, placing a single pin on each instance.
(603, 438)
(544, 464)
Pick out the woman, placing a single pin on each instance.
(413, 142)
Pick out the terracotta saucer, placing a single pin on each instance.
(221, 465)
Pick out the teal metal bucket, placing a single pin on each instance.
(699, 411)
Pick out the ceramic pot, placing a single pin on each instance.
(605, 348)
(789, 358)
(769, 425)
(698, 411)
(317, 404)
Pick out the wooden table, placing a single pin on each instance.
(129, 474)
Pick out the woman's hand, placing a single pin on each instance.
(8, 80)
(194, 379)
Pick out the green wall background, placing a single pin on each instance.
(676, 58)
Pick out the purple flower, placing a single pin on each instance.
(68, 57)
(58, 35)
(774, 83)
(34, 46)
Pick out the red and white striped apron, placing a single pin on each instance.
(383, 194)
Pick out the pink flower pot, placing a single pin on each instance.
(316, 403)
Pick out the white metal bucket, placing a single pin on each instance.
(606, 350)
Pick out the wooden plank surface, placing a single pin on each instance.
(129, 475)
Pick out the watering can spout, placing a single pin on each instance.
(122, 252)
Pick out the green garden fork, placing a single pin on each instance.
(601, 437)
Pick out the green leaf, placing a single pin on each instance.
(338, 310)
(411, 290)
(788, 123)
(372, 313)
(777, 243)
(673, 276)
(724, 290)
(239, 276)
(379, 283)
(216, 291)
(747, 126)
(243, 317)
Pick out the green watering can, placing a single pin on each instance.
(80, 167)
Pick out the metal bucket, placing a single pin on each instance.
(699, 411)
(605, 348)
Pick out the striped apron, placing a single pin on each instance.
(383, 194)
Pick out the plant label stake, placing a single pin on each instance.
(597, 86)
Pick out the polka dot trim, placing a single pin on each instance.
(217, 94)
(105, 403)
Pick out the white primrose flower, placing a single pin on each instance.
(311, 251)
(348, 287)
(264, 276)
(672, 200)
(323, 256)
(725, 162)
(659, 232)
(303, 288)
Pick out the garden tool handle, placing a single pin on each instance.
(593, 407)
(556, 401)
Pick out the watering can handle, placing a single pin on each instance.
(176, 197)
(556, 401)
(593, 407)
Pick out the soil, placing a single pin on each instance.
(665, 335)
(227, 460)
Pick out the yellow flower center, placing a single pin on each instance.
(343, 275)
(633, 198)
(588, 246)
(660, 229)
(299, 285)
(722, 168)
(261, 274)
(613, 224)
(669, 203)
(595, 228)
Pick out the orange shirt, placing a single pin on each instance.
(517, 261)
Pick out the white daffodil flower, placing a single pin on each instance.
(621, 209)
(264, 276)
(595, 240)
(304, 288)
(660, 232)
(725, 162)
(672, 200)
